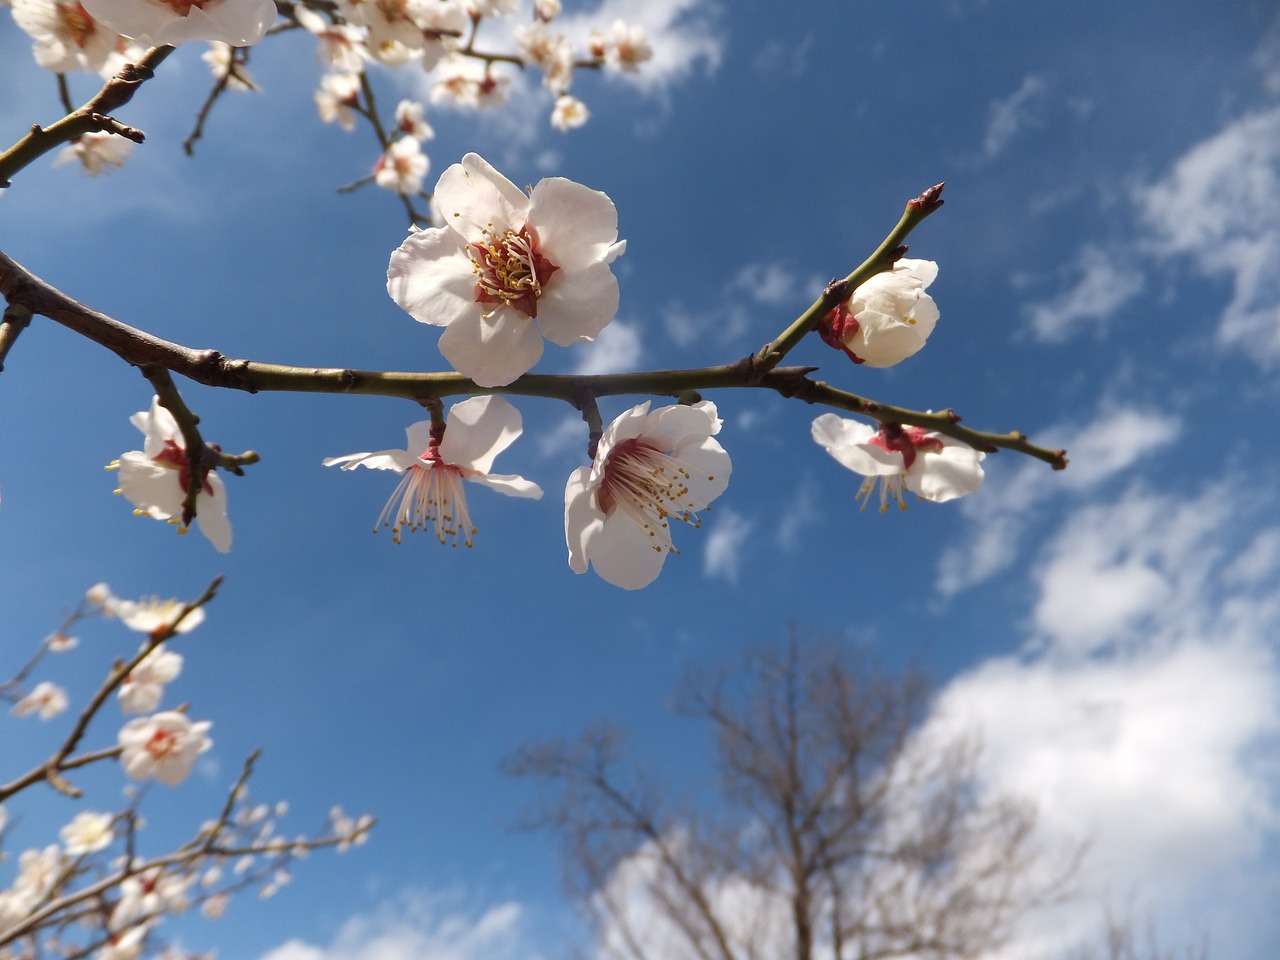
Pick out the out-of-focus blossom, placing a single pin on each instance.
(154, 479)
(490, 8)
(932, 466)
(97, 152)
(546, 10)
(163, 746)
(223, 64)
(342, 45)
(88, 832)
(548, 51)
(125, 945)
(60, 642)
(142, 689)
(410, 120)
(431, 493)
(39, 873)
(888, 318)
(125, 51)
(46, 699)
(237, 22)
(627, 46)
(101, 597)
(215, 906)
(151, 614)
(337, 98)
(470, 84)
(148, 894)
(650, 469)
(569, 113)
(66, 37)
(402, 167)
(508, 269)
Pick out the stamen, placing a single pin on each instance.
(431, 494)
(651, 487)
(510, 270)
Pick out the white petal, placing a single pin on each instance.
(582, 518)
(849, 442)
(953, 471)
(709, 468)
(430, 276)
(149, 486)
(671, 426)
(476, 200)
(397, 460)
(578, 305)
(211, 516)
(492, 350)
(509, 484)
(630, 423)
(477, 430)
(623, 554)
(576, 226)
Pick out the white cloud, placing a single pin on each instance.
(419, 926)
(799, 515)
(1145, 723)
(774, 285)
(723, 555)
(1219, 205)
(684, 35)
(569, 433)
(1117, 439)
(617, 349)
(1102, 287)
(1007, 116)
(784, 59)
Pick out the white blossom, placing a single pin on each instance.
(409, 120)
(650, 469)
(88, 832)
(569, 113)
(627, 46)
(237, 22)
(154, 479)
(151, 614)
(97, 152)
(66, 36)
(337, 98)
(45, 699)
(223, 64)
(163, 746)
(930, 465)
(431, 494)
(886, 319)
(142, 689)
(508, 269)
(402, 167)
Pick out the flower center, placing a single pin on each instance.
(76, 23)
(433, 495)
(509, 269)
(651, 487)
(904, 440)
(162, 745)
(175, 457)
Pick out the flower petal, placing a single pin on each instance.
(953, 471)
(477, 430)
(211, 515)
(431, 277)
(492, 350)
(509, 484)
(476, 200)
(582, 518)
(577, 305)
(623, 553)
(397, 460)
(849, 442)
(576, 226)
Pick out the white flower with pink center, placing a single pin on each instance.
(66, 36)
(46, 700)
(650, 470)
(627, 47)
(431, 494)
(154, 479)
(97, 152)
(508, 269)
(402, 167)
(888, 318)
(142, 689)
(237, 22)
(162, 747)
(932, 466)
(569, 113)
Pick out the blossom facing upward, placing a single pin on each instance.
(650, 469)
(88, 832)
(162, 747)
(431, 492)
(240, 23)
(154, 479)
(402, 167)
(930, 465)
(508, 269)
(888, 318)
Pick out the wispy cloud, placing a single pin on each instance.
(419, 926)
(618, 348)
(1009, 115)
(1103, 285)
(1116, 439)
(723, 554)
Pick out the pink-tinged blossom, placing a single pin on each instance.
(88, 832)
(470, 84)
(550, 52)
(149, 894)
(337, 99)
(154, 479)
(508, 269)
(402, 167)
(97, 152)
(162, 747)
(888, 318)
(410, 120)
(930, 465)
(431, 494)
(125, 945)
(46, 700)
(142, 689)
(61, 642)
(569, 113)
(66, 36)
(237, 22)
(151, 614)
(627, 46)
(341, 44)
(650, 469)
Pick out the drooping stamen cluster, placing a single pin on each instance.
(430, 494)
(651, 487)
(907, 441)
(509, 269)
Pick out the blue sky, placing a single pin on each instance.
(1109, 281)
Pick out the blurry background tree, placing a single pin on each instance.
(837, 829)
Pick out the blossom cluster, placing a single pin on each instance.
(95, 893)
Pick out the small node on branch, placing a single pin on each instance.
(951, 415)
(836, 288)
(1060, 460)
(929, 199)
(899, 253)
